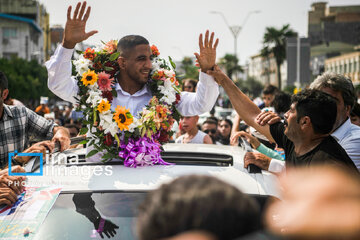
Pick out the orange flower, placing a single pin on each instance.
(103, 106)
(123, 118)
(89, 77)
(89, 54)
(155, 50)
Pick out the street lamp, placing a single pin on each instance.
(235, 29)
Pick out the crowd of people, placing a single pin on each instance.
(312, 135)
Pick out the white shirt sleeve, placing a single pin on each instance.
(276, 165)
(60, 81)
(203, 100)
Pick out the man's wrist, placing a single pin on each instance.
(68, 45)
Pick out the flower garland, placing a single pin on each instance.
(118, 133)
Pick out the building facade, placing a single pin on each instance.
(346, 64)
(24, 30)
(264, 70)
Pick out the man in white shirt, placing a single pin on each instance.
(135, 67)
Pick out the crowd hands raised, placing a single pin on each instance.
(305, 133)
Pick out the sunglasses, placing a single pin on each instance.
(213, 131)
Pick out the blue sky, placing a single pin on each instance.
(174, 26)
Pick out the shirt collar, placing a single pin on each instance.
(7, 112)
(144, 91)
(340, 132)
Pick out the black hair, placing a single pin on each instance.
(270, 89)
(228, 121)
(282, 102)
(319, 106)
(356, 110)
(201, 203)
(129, 42)
(211, 120)
(3, 82)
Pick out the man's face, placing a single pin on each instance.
(138, 64)
(209, 128)
(188, 87)
(224, 129)
(343, 112)
(292, 127)
(189, 123)
(268, 98)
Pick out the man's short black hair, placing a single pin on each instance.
(282, 102)
(270, 89)
(129, 42)
(211, 120)
(200, 203)
(319, 106)
(3, 82)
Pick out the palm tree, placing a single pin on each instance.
(230, 63)
(275, 42)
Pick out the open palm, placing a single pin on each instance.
(75, 26)
(207, 56)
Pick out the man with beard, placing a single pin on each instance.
(305, 134)
(135, 67)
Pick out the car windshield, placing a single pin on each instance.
(78, 215)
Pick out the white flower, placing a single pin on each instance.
(81, 65)
(136, 122)
(107, 123)
(98, 48)
(94, 98)
(168, 91)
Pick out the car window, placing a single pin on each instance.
(77, 216)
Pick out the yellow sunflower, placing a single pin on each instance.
(89, 77)
(123, 118)
(103, 106)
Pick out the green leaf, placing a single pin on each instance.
(108, 69)
(92, 153)
(114, 56)
(83, 130)
(172, 63)
(84, 141)
(128, 115)
(114, 93)
(79, 52)
(108, 155)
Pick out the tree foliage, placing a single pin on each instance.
(251, 86)
(274, 42)
(189, 68)
(230, 63)
(27, 80)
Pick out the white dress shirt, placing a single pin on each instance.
(347, 135)
(64, 86)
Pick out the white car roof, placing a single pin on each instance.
(88, 177)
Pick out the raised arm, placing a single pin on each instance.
(207, 89)
(246, 109)
(59, 66)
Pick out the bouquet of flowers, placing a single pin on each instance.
(117, 132)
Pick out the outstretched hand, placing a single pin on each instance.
(207, 56)
(75, 26)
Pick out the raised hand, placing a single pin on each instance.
(207, 56)
(267, 117)
(75, 26)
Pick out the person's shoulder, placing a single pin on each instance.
(330, 148)
(17, 110)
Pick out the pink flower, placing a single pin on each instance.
(104, 81)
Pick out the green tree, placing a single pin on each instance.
(27, 80)
(189, 68)
(274, 42)
(230, 63)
